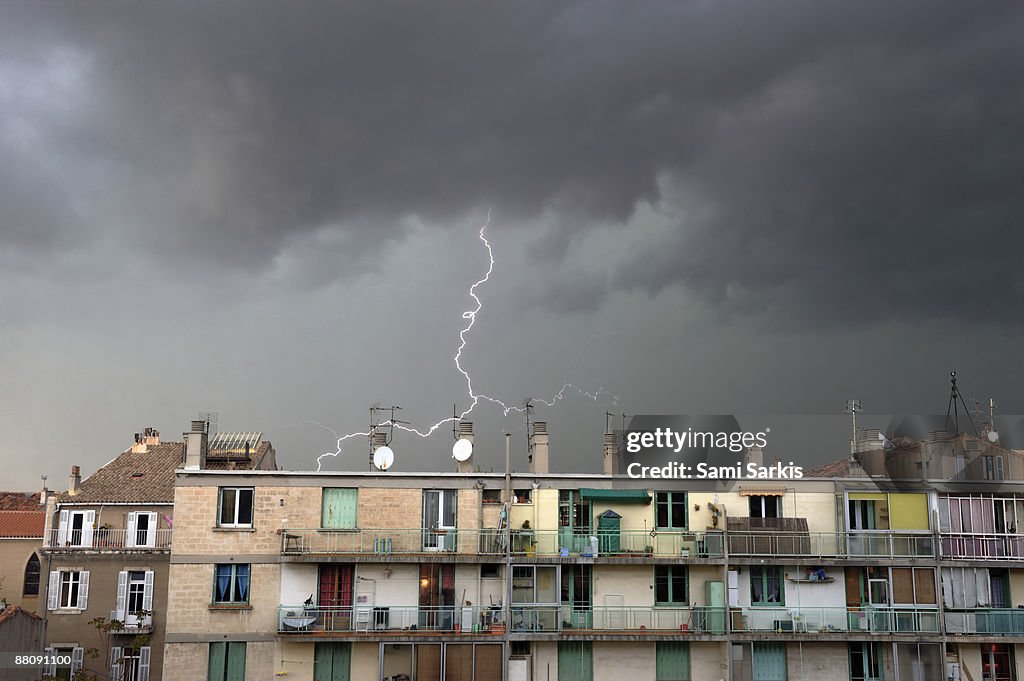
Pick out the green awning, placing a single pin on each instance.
(622, 496)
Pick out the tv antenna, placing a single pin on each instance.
(852, 407)
(952, 405)
(380, 435)
(528, 410)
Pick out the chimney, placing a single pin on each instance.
(611, 450)
(377, 440)
(75, 481)
(151, 437)
(465, 433)
(195, 446)
(539, 447)
(44, 493)
(755, 455)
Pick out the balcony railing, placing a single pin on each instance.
(386, 542)
(132, 623)
(610, 619)
(811, 620)
(620, 544)
(970, 546)
(111, 539)
(856, 544)
(369, 620)
(985, 621)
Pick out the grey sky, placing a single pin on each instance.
(728, 207)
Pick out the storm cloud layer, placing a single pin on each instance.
(784, 170)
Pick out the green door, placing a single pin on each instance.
(608, 527)
(769, 662)
(331, 661)
(575, 661)
(673, 661)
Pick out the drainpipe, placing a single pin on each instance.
(508, 470)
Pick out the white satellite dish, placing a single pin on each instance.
(383, 458)
(993, 436)
(462, 450)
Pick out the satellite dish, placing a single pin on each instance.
(383, 458)
(462, 450)
(993, 436)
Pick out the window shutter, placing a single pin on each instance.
(122, 594)
(62, 529)
(116, 665)
(218, 655)
(147, 593)
(49, 669)
(151, 530)
(144, 663)
(53, 592)
(129, 541)
(90, 520)
(77, 659)
(83, 591)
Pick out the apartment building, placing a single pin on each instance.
(535, 576)
(107, 551)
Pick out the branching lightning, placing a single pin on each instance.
(475, 398)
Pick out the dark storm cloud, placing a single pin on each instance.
(831, 152)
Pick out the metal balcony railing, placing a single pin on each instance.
(620, 544)
(131, 622)
(971, 546)
(113, 539)
(610, 619)
(812, 620)
(855, 544)
(985, 621)
(369, 620)
(385, 542)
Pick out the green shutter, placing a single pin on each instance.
(339, 508)
(673, 661)
(769, 662)
(216, 668)
(332, 661)
(236, 661)
(575, 661)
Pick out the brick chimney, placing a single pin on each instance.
(611, 450)
(465, 433)
(75, 481)
(539, 447)
(195, 446)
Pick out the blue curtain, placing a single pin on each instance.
(242, 583)
(222, 583)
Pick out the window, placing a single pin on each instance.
(491, 496)
(129, 664)
(141, 530)
(439, 511)
(68, 589)
(993, 467)
(670, 585)
(672, 661)
(865, 662)
(520, 649)
(235, 507)
(75, 528)
(997, 661)
(521, 496)
(670, 510)
(227, 661)
(231, 584)
(134, 596)
(490, 571)
(339, 508)
(913, 586)
(766, 586)
(31, 583)
(65, 673)
(765, 506)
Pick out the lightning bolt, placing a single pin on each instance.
(475, 398)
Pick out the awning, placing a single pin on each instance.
(762, 491)
(622, 496)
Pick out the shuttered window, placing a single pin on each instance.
(673, 661)
(338, 511)
(227, 661)
(575, 661)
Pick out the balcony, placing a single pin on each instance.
(105, 539)
(393, 542)
(622, 544)
(131, 623)
(811, 620)
(635, 620)
(389, 621)
(837, 545)
(985, 622)
(970, 546)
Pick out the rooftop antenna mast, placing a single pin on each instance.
(528, 410)
(385, 427)
(952, 405)
(852, 407)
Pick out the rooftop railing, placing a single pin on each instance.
(113, 539)
(855, 544)
(812, 620)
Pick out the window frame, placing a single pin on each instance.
(340, 523)
(38, 572)
(233, 585)
(761, 573)
(669, 577)
(669, 502)
(763, 498)
(237, 507)
(73, 580)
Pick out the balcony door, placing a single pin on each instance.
(437, 596)
(335, 596)
(439, 519)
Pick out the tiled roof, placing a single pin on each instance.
(133, 477)
(12, 610)
(19, 501)
(22, 524)
(844, 468)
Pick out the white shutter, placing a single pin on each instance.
(143, 664)
(129, 541)
(116, 666)
(49, 669)
(90, 520)
(147, 593)
(77, 659)
(122, 593)
(151, 530)
(83, 590)
(53, 592)
(62, 529)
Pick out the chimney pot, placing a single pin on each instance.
(75, 480)
(196, 446)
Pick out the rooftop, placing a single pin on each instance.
(19, 501)
(22, 524)
(144, 477)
